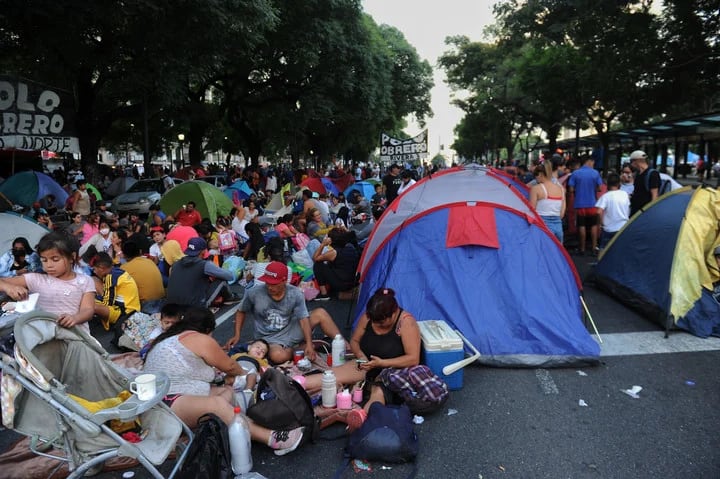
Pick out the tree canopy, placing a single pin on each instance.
(261, 77)
(554, 63)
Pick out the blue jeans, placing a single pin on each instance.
(554, 224)
(605, 237)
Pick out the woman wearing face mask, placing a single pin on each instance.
(103, 240)
(19, 260)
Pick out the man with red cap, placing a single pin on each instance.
(280, 316)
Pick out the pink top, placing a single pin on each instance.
(88, 232)
(59, 296)
(284, 230)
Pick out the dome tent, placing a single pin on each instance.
(661, 262)
(465, 246)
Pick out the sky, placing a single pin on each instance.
(425, 24)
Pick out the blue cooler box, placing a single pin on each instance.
(442, 346)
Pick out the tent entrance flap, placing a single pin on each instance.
(472, 225)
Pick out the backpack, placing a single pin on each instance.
(387, 435)
(282, 403)
(226, 242)
(209, 453)
(665, 185)
(422, 390)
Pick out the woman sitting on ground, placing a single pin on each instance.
(314, 226)
(335, 263)
(387, 337)
(285, 227)
(189, 355)
(255, 243)
(19, 260)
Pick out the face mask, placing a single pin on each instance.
(104, 231)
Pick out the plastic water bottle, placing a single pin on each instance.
(338, 351)
(329, 389)
(239, 437)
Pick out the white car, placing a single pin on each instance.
(219, 181)
(140, 196)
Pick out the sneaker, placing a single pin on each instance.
(322, 297)
(355, 419)
(285, 442)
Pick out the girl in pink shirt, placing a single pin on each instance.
(62, 291)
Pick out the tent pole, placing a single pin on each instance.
(587, 311)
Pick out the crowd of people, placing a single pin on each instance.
(161, 277)
(158, 279)
(600, 206)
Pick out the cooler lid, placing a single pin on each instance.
(437, 335)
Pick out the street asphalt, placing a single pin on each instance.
(570, 423)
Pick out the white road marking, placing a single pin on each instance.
(227, 314)
(546, 381)
(654, 342)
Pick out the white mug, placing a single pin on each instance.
(144, 386)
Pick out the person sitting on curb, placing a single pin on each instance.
(280, 316)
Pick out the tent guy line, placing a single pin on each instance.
(654, 342)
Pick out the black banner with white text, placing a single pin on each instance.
(36, 117)
(395, 150)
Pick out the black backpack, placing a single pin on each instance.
(209, 453)
(283, 404)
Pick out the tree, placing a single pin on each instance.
(118, 61)
(563, 62)
(691, 70)
(327, 79)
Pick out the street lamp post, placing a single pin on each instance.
(181, 139)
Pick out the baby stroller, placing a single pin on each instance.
(53, 366)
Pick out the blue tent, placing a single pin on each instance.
(662, 265)
(27, 187)
(330, 186)
(466, 247)
(366, 188)
(238, 191)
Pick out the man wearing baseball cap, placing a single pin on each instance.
(646, 189)
(195, 281)
(280, 316)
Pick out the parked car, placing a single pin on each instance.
(140, 196)
(216, 180)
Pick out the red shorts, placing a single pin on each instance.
(587, 217)
(586, 211)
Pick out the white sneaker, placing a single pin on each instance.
(285, 442)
